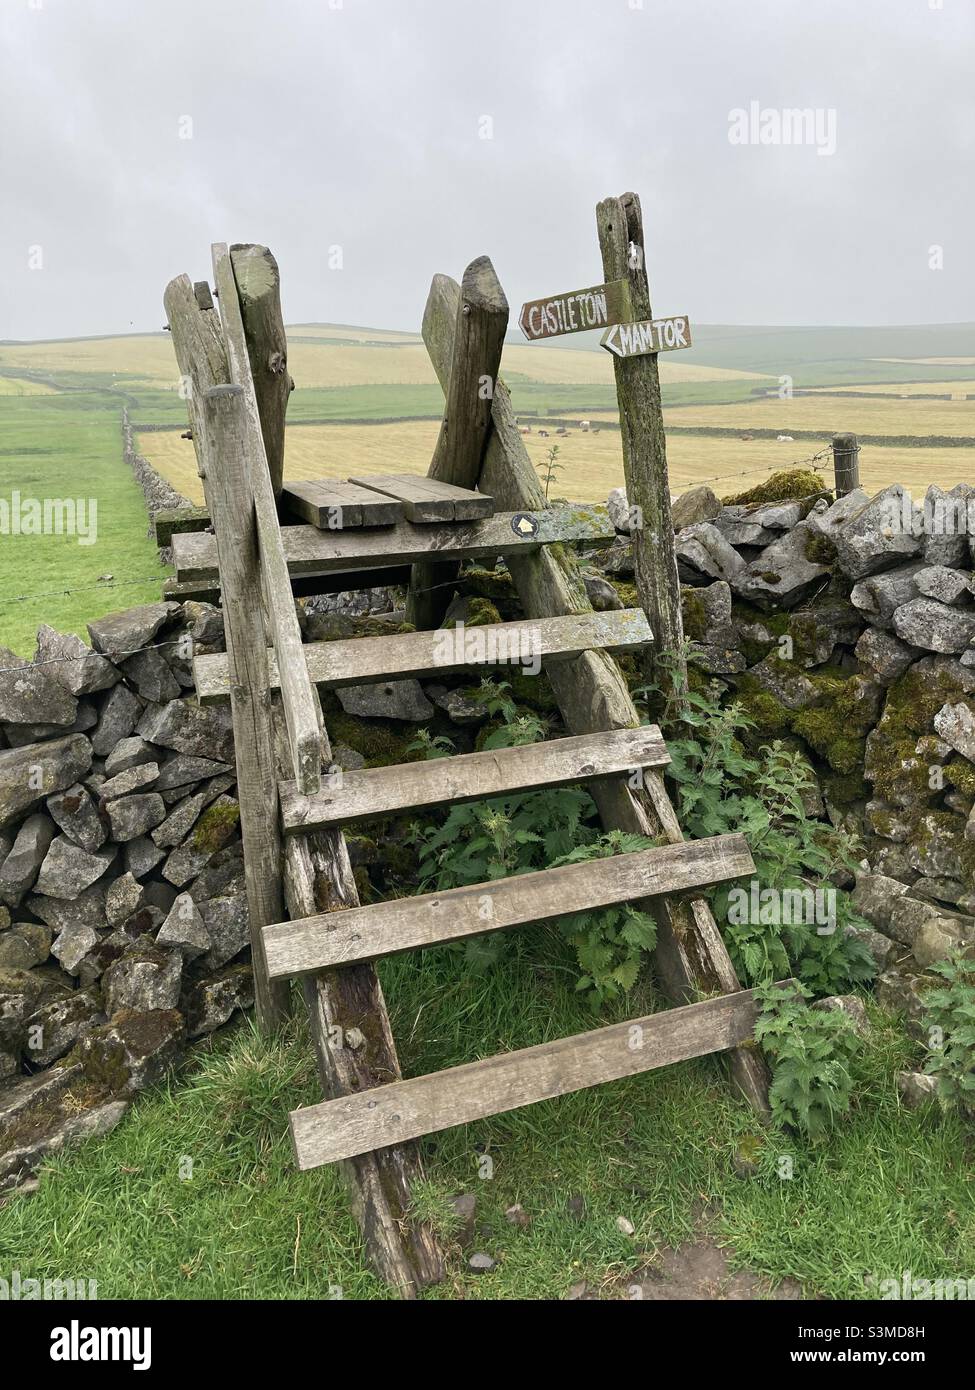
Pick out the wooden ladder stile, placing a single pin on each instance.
(307, 923)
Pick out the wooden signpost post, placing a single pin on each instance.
(577, 311)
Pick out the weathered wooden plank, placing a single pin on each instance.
(407, 924)
(169, 522)
(427, 1104)
(200, 353)
(620, 225)
(300, 702)
(309, 551)
(246, 659)
(401, 656)
(355, 1051)
(259, 296)
(482, 319)
(355, 795)
(333, 505)
(427, 499)
(592, 694)
(576, 311)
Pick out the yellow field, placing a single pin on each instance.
(354, 335)
(958, 390)
(146, 357)
(17, 386)
(831, 416)
(592, 463)
(386, 359)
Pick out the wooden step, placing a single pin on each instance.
(406, 924)
(427, 499)
(332, 505)
(377, 791)
(402, 1110)
(357, 660)
(310, 551)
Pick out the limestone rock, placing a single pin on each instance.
(55, 1027)
(21, 866)
(76, 815)
(704, 549)
(939, 938)
(826, 519)
(123, 896)
(387, 700)
(956, 725)
(150, 673)
(618, 508)
(944, 584)
(121, 711)
(29, 695)
(904, 994)
(880, 595)
(141, 856)
(133, 816)
(133, 1050)
(184, 929)
(934, 626)
(948, 522)
(781, 576)
(36, 771)
(25, 945)
(601, 593)
(183, 770)
(120, 633)
(917, 1090)
(784, 681)
(226, 920)
(144, 979)
(459, 708)
(883, 532)
(880, 947)
(697, 504)
(73, 664)
(131, 780)
(186, 728)
(850, 1006)
(885, 656)
(129, 752)
(874, 898)
(209, 1003)
(68, 869)
(73, 944)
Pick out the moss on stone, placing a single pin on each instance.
(788, 486)
(837, 726)
(693, 613)
(769, 716)
(374, 741)
(819, 550)
(627, 592)
(961, 774)
(485, 583)
(843, 789)
(216, 826)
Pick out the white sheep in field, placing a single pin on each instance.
(784, 439)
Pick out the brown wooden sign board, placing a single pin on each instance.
(576, 311)
(646, 336)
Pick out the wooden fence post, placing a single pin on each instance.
(258, 289)
(620, 226)
(846, 463)
(482, 320)
(224, 451)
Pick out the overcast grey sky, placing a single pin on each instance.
(360, 124)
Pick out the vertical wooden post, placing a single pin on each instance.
(846, 463)
(482, 320)
(620, 226)
(225, 449)
(258, 289)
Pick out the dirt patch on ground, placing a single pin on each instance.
(698, 1270)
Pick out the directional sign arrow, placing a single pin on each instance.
(646, 336)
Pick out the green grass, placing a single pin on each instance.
(888, 1191)
(59, 447)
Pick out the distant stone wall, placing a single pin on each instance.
(159, 495)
